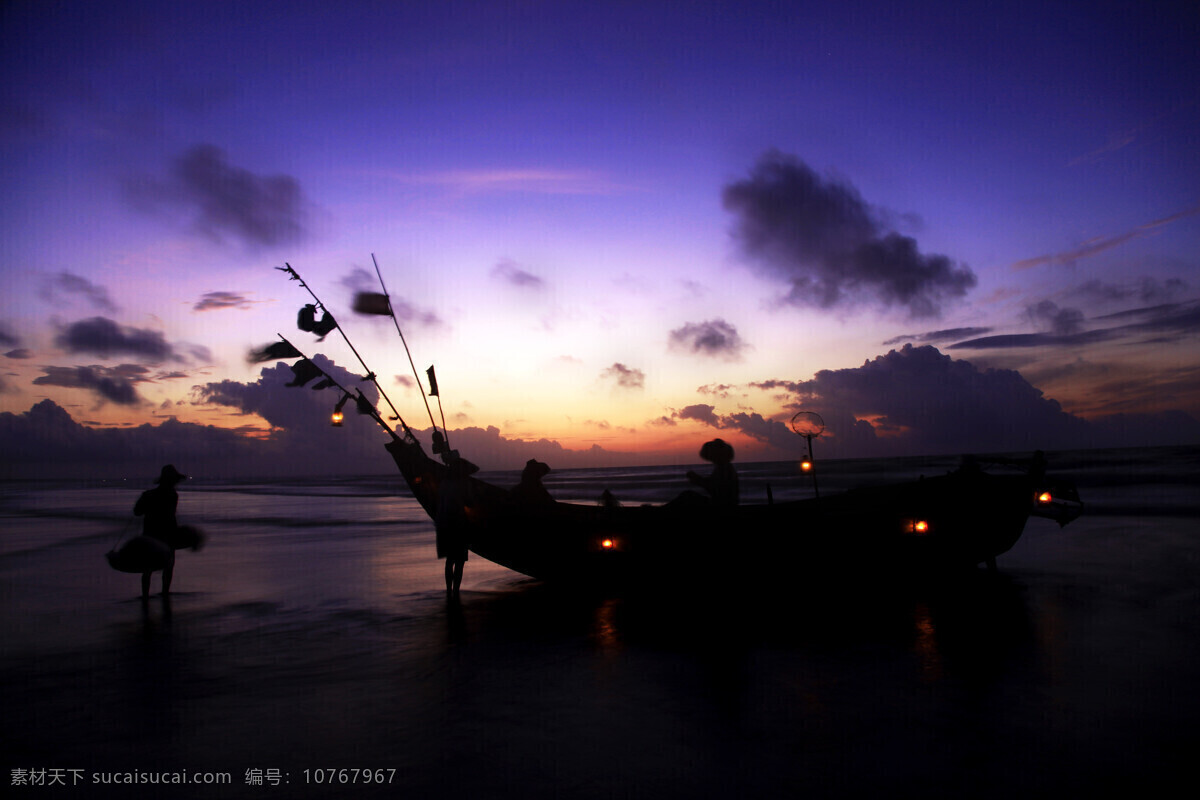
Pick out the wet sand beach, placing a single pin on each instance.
(287, 649)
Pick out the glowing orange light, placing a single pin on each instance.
(337, 418)
(608, 544)
(805, 465)
(921, 526)
(1044, 498)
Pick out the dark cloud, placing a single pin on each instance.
(626, 377)
(46, 441)
(944, 335)
(228, 202)
(7, 337)
(701, 412)
(918, 401)
(115, 385)
(1166, 323)
(1009, 341)
(64, 286)
(359, 280)
(1099, 244)
(510, 272)
(213, 301)
(943, 405)
(1145, 290)
(714, 337)
(19, 353)
(100, 336)
(832, 248)
(1049, 317)
(407, 312)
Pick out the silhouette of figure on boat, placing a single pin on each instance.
(530, 491)
(157, 506)
(722, 484)
(454, 501)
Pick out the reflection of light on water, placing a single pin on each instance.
(604, 627)
(925, 645)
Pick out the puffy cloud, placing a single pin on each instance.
(701, 412)
(64, 286)
(833, 249)
(918, 401)
(100, 336)
(228, 202)
(938, 405)
(282, 406)
(625, 377)
(213, 301)
(511, 273)
(714, 337)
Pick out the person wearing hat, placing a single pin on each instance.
(157, 505)
(722, 484)
(451, 523)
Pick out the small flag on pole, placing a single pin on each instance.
(272, 351)
(303, 372)
(372, 303)
(433, 390)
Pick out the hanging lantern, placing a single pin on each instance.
(337, 416)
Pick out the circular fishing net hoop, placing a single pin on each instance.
(808, 424)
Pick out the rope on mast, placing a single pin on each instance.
(396, 322)
(370, 375)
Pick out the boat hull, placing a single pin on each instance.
(957, 520)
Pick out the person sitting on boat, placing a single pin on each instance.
(158, 506)
(451, 522)
(530, 491)
(722, 484)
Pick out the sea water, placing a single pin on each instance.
(312, 632)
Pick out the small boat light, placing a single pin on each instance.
(608, 544)
(1045, 498)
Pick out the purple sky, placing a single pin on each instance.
(618, 229)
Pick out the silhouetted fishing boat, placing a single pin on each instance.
(961, 519)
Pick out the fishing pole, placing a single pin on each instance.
(370, 375)
(416, 375)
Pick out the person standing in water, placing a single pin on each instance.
(157, 505)
(451, 522)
